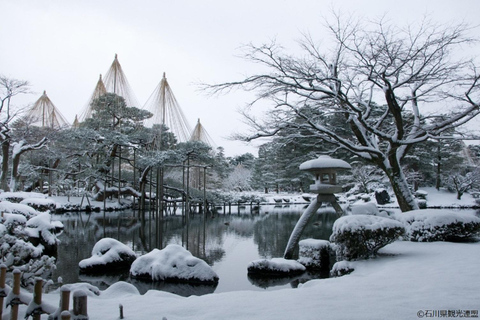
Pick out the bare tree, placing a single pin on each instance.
(9, 88)
(462, 183)
(380, 78)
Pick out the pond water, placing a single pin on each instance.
(227, 242)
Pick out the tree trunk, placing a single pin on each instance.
(4, 172)
(406, 200)
(459, 195)
(14, 177)
(439, 159)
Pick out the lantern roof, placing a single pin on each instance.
(324, 162)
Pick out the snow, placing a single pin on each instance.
(40, 201)
(20, 195)
(368, 222)
(42, 224)
(314, 243)
(27, 211)
(364, 208)
(172, 263)
(407, 277)
(14, 219)
(431, 218)
(105, 251)
(324, 162)
(404, 279)
(426, 224)
(280, 265)
(40, 204)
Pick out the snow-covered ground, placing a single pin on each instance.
(408, 280)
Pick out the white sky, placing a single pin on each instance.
(62, 46)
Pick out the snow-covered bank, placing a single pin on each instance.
(406, 278)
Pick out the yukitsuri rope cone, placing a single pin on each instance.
(166, 111)
(44, 114)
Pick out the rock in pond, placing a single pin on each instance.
(173, 263)
(108, 255)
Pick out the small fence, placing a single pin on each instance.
(13, 298)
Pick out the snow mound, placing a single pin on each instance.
(275, 266)
(434, 225)
(120, 289)
(173, 263)
(108, 255)
(88, 289)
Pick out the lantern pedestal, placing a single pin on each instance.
(324, 170)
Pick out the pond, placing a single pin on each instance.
(227, 242)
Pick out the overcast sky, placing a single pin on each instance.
(62, 46)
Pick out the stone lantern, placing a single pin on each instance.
(324, 170)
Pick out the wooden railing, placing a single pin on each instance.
(35, 306)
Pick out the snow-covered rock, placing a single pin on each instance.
(435, 225)
(108, 255)
(173, 263)
(275, 267)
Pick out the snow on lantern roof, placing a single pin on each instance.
(324, 162)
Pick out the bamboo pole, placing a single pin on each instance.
(65, 298)
(3, 274)
(65, 315)
(37, 297)
(16, 291)
(80, 305)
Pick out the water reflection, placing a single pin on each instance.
(227, 242)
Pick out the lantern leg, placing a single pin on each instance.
(300, 226)
(333, 201)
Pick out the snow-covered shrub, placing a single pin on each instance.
(422, 203)
(108, 255)
(314, 254)
(434, 225)
(17, 197)
(361, 236)
(14, 223)
(40, 204)
(42, 230)
(25, 235)
(173, 263)
(421, 194)
(17, 208)
(275, 267)
(341, 268)
(382, 196)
